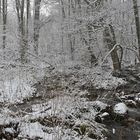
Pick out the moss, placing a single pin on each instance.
(91, 134)
(83, 128)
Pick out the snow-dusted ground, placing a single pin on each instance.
(62, 117)
(66, 109)
(16, 81)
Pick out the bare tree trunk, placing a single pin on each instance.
(27, 20)
(73, 5)
(36, 24)
(137, 22)
(22, 31)
(93, 59)
(4, 13)
(20, 5)
(62, 28)
(110, 41)
(0, 9)
(69, 34)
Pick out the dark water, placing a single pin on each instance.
(122, 131)
(131, 132)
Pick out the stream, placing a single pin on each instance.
(120, 130)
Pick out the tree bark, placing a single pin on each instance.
(110, 41)
(36, 24)
(69, 34)
(87, 42)
(137, 22)
(4, 13)
(0, 9)
(93, 59)
(63, 15)
(20, 7)
(27, 20)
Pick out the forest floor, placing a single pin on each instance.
(72, 104)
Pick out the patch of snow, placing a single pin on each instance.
(137, 98)
(109, 83)
(104, 79)
(105, 114)
(15, 84)
(9, 130)
(33, 130)
(120, 108)
(100, 105)
(131, 102)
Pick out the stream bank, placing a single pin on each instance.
(66, 105)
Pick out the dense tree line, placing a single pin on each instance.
(75, 27)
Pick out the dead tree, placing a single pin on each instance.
(109, 42)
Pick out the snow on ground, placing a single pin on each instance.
(64, 108)
(15, 90)
(16, 82)
(106, 80)
(36, 130)
(101, 77)
(33, 130)
(70, 107)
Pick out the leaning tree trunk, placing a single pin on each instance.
(109, 42)
(36, 24)
(137, 22)
(4, 13)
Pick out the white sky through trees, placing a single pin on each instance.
(45, 7)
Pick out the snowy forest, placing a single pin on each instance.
(69, 69)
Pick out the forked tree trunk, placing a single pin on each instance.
(109, 42)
